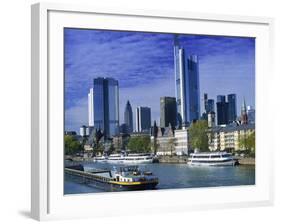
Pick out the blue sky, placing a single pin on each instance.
(143, 64)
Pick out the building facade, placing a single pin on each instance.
(168, 111)
(181, 142)
(143, 119)
(128, 117)
(171, 142)
(106, 106)
(227, 138)
(186, 69)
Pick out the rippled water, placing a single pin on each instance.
(173, 176)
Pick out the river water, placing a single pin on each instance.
(173, 176)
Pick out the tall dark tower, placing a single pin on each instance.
(168, 112)
(222, 110)
(232, 112)
(128, 117)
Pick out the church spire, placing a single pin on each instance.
(244, 115)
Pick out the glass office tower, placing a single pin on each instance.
(232, 111)
(106, 106)
(143, 119)
(187, 85)
(222, 110)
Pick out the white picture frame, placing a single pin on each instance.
(48, 201)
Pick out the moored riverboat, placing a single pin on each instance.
(212, 159)
(137, 158)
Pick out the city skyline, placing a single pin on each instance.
(143, 64)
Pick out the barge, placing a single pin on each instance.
(124, 178)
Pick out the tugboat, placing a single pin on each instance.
(125, 178)
(132, 178)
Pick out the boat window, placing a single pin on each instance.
(225, 155)
(216, 156)
(200, 157)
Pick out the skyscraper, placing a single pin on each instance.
(143, 119)
(168, 111)
(187, 85)
(222, 110)
(206, 102)
(220, 98)
(128, 117)
(232, 111)
(106, 106)
(210, 106)
(251, 114)
(91, 107)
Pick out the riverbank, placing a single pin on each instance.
(166, 159)
(173, 159)
(184, 159)
(246, 161)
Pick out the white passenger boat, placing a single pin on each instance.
(126, 159)
(212, 159)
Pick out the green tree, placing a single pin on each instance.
(71, 145)
(198, 135)
(248, 143)
(139, 144)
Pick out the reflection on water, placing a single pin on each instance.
(173, 176)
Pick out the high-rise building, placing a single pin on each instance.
(222, 110)
(168, 111)
(187, 85)
(205, 101)
(91, 107)
(143, 119)
(106, 106)
(251, 114)
(128, 117)
(83, 130)
(211, 119)
(220, 98)
(210, 106)
(232, 111)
